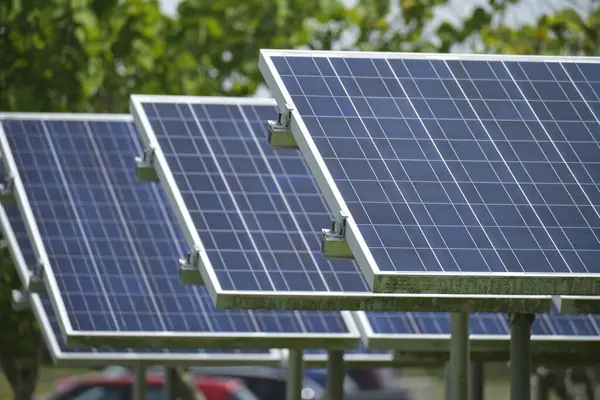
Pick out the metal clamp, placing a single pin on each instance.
(191, 259)
(36, 278)
(333, 241)
(339, 223)
(7, 196)
(280, 134)
(144, 166)
(20, 300)
(189, 269)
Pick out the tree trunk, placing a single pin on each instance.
(22, 373)
(186, 388)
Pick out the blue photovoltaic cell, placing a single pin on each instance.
(47, 312)
(128, 352)
(257, 211)
(551, 324)
(112, 242)
(460, 166)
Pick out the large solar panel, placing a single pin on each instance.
(553, 335)
(578, 304)
(253, 214)
(459, 174)
(356, 358)
(108, 246)
(15, 234)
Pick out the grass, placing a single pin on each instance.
(429, 384)
(425, 384)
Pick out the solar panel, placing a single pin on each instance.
(457, 174)
(578, 304)
(15, 234)
(553, 335)
(108, 246)
(252, 214)
(356, 358)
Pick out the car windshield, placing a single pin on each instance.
(243, 393)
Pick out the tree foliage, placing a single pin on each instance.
(90, 55)
(77, 55)
(567, 30)
(564, 33)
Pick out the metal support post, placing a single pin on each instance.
(170, 383)
(476, 381)
(447, 381)
(543, 385)
(459, 356)
(520, 356)
(335, 375)
(295, 372)
(139, 383)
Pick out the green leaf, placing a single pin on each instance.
(214, 27)
(85, 18)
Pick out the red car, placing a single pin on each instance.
(121, 388)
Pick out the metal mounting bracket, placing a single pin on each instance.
(144, 167)
(280, 135)
(36, 279)
(20, 300)
(7, 196)
(189, 271)
(333, 241)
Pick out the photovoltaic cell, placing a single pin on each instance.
(460, 174)
(109, 244)
(553, 333)
(578, 304)
(14, 231)
(256, 213)
(551, 324)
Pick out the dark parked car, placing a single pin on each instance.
(380, 394)
(356, 379)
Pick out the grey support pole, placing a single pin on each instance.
(520, 356)
(335, 375)
(295, 372)
(476, 381)
(170, 383)
(447, 381)
(459, 356)
(543, 385)
(139, 383)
